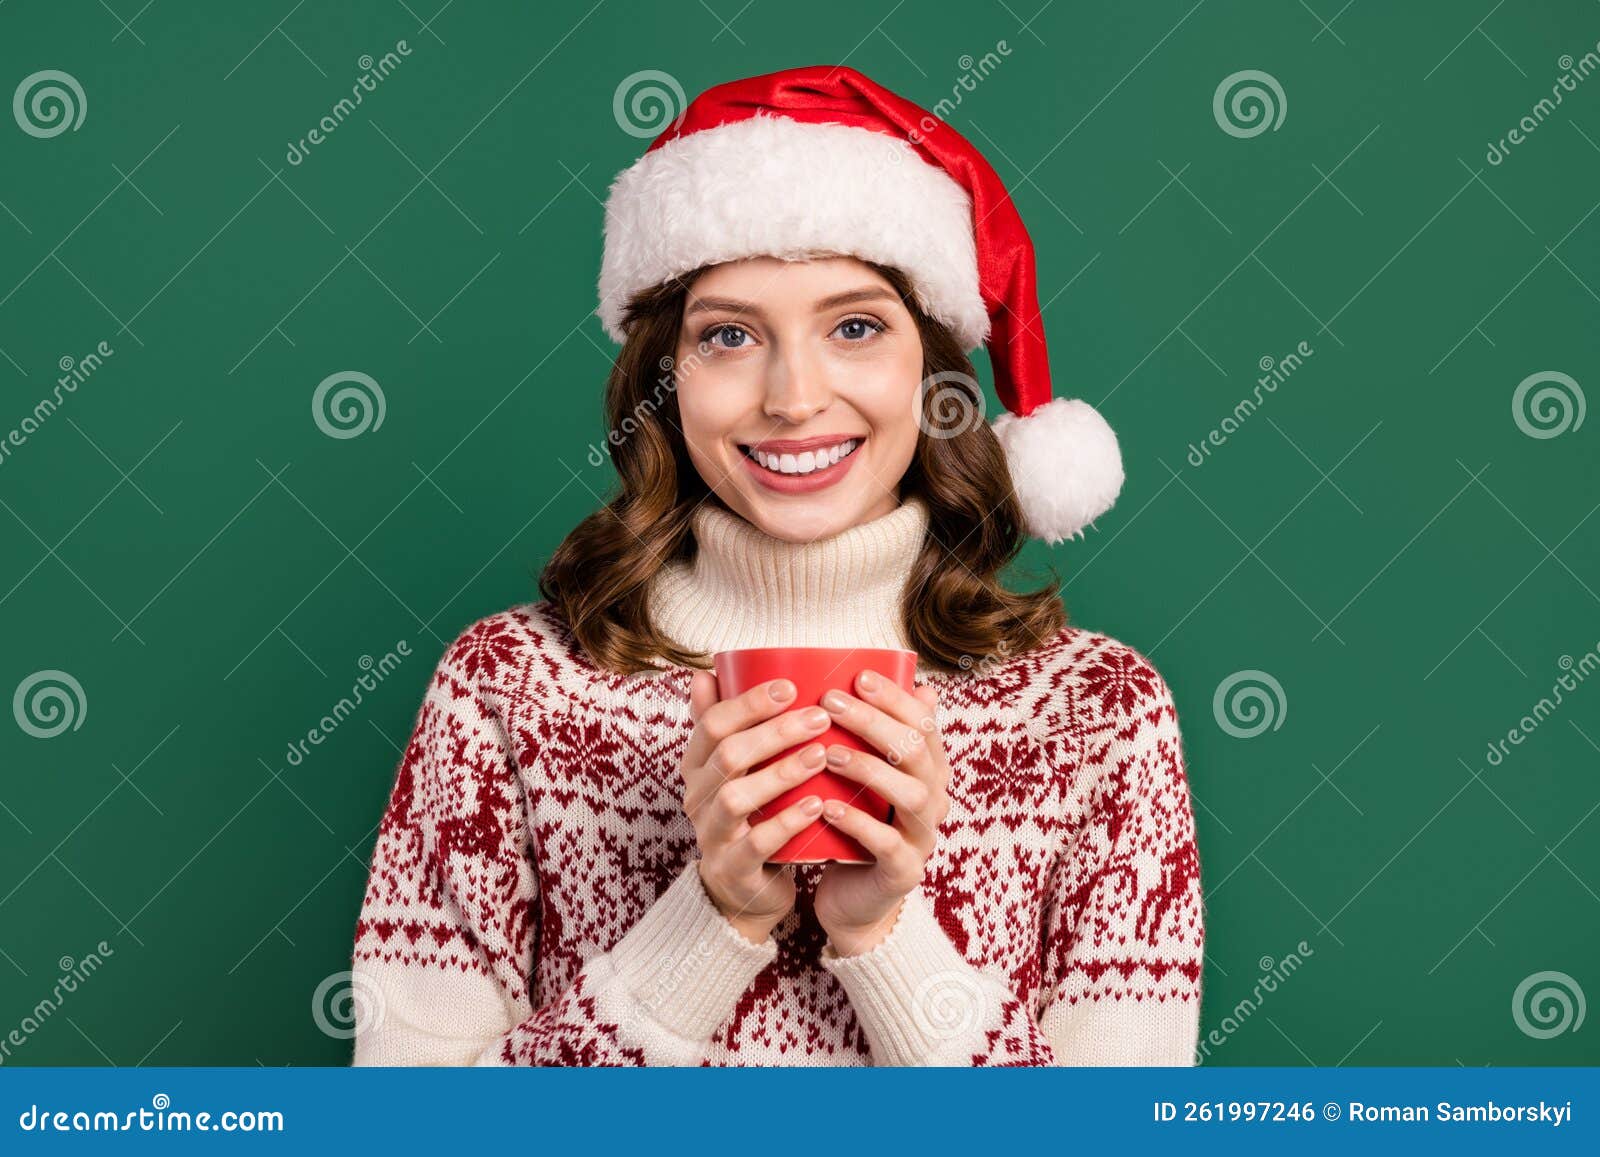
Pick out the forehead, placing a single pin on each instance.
(766, 278)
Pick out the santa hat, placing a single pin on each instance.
(822, 160)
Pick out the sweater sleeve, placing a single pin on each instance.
(449, 926)
(920, 1002)
(1124, 922)
(1121, 936)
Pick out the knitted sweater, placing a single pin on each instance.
(534, 896)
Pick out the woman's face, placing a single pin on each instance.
(798, 387)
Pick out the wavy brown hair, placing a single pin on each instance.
(955, 612)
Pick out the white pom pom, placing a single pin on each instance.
(1065, 464)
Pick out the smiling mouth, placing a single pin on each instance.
(805, 462)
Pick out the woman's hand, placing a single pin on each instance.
(857, 904)
(730, 737)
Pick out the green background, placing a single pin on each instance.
(1381, 536)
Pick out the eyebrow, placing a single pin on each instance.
(849, 297)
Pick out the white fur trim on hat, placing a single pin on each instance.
(1065, 465)
(775, 186)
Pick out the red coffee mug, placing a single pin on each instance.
(814, 671)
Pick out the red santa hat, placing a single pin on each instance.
(822, 160)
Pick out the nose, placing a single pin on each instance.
(796, 387)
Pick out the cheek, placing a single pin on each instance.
(709, 409)
(888, 401)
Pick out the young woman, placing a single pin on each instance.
(569, 870)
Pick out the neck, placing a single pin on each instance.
(744, 588)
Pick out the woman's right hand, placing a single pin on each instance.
(720, 793)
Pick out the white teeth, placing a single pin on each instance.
(806, 463)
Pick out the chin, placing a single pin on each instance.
(802, 518)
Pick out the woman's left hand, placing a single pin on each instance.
(857, 904)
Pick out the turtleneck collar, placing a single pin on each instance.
(744, 588)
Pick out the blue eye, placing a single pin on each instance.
(706, 337)
(863, 328)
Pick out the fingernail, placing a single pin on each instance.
(781, 690)
(834, 810)
(811, 805)
(838, 756)
(834, 701)
(814, 717)
(868, 681)
(812, 756)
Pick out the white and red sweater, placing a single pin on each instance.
(534, 895)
